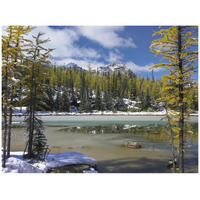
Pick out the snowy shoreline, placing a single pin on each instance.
(20, 111)
(104, 114)
(16, 164)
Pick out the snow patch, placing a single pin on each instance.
(16, 164)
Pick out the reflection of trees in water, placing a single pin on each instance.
(154, 131)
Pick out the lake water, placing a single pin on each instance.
(102, 138)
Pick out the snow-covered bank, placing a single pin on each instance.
(59, 119)
(118, 113)
(15, 164)
(96, 113)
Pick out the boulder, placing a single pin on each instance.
(133, 145)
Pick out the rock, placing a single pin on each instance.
(77, 168)
(133, 145)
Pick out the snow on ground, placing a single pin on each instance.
(126, 126)
(98, 113)
(95, 112)
(15, 164)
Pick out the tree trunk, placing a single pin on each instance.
(31, 125)
(9, 132)
(4, 137)
(181, 109)
(10, 123)
(172, 139)
(5, 118)
(173, 152)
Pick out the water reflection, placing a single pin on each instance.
(155, 132)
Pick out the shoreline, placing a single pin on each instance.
(104, 114)
(100, 118)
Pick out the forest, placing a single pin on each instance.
(68, 88)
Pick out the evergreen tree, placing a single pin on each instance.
(147, 100)
(12, 53)
(108, 101)
(40, 144)
(83, 97)
(98, 99)
(133, 88)
(177, 45)
(36, 60)
(58, 101)
(66, 102)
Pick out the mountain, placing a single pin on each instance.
(73, 65)
(114, 67)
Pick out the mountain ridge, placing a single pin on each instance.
(113, 67)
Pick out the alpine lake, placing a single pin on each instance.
(104, 137)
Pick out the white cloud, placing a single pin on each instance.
(106, 36)
(137, 68)
(63, 41)
(113, 57)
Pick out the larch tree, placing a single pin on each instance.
(177, 45)
(14, 45)
(37, 58)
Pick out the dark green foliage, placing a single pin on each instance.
(40, 145)
(147, 100)
(133, 94)
(58, 102)
(98, 99)
(65, 101)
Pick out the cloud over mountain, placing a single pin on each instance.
(107, 36)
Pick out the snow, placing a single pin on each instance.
(19, 110)
(92, 170)
(126, 126)
(113, 67)
(95, 112)
(15, 164)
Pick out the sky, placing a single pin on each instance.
(100, 45)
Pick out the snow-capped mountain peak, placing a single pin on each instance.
(113, 68)
(73, 65)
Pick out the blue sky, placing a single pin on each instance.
(101, 45)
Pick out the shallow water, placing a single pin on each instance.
(104, 139)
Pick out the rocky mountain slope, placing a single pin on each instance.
(114, 67)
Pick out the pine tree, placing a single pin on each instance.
(82, 93)
(13, 47)
(133, 89)
(36, 60)
(40, 146)
(65, 100)
(98, 99)
(147, 100)
(58, 101)
(108, 101)
(177, 44)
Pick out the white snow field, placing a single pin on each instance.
(15, 164)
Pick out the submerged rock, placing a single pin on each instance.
(78, 168)
(133, 145)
